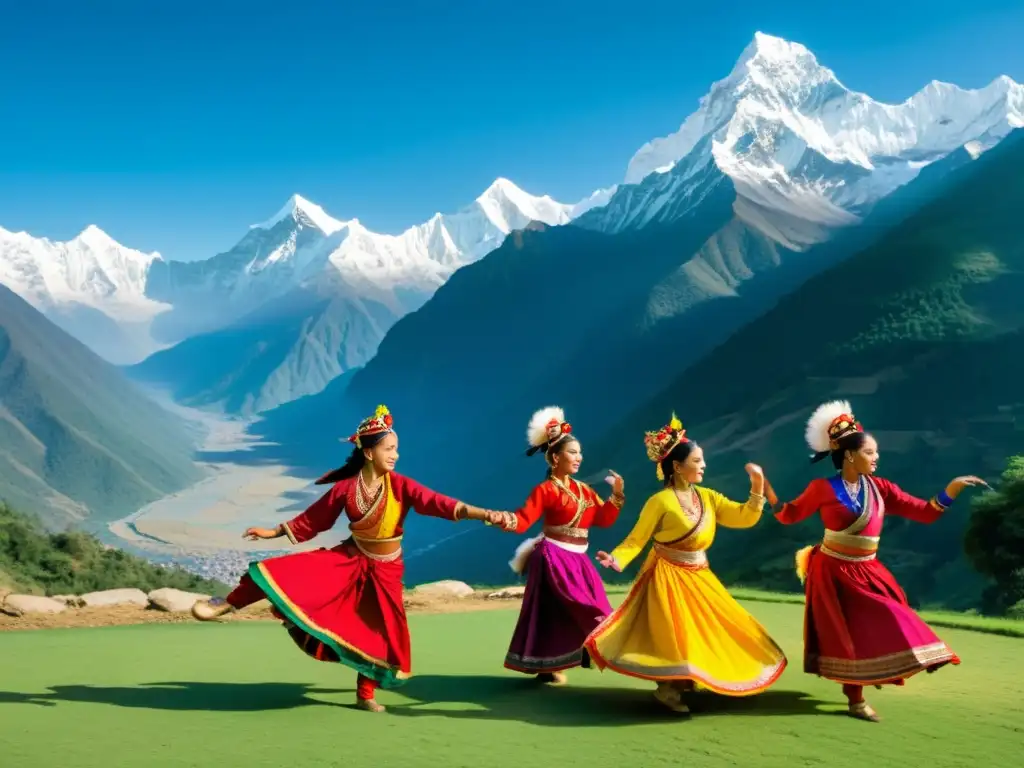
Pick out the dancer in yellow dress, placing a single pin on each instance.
(678, 625)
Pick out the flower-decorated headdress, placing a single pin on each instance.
(830, 423)
(546, 429)
(661, 443)
(379, 423)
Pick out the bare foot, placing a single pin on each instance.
(210, 610)
(370, 705)
(668, 696)
(863, 711)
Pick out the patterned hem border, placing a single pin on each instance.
(882, 669)
(383, 674)
(761, 683)
(531, 665)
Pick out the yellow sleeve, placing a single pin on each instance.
(637, 539)
(732, 514)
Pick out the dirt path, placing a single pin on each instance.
(121, 615)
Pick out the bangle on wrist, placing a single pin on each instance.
(944, 498)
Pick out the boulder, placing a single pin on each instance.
(71, 601)
(446, 588)
(174, 600)
(16, 605)
(508, 593)
(109, 597)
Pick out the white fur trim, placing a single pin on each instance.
(537, 431)
(816, 433)
(523, 552)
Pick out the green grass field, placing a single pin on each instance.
(240, 694)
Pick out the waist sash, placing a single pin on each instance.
(849, 546)
(389, 557)
(693, 559)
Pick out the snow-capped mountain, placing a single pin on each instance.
(793, 139)
(126, 304)
(91, 286)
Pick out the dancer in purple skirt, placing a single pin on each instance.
(565, 598)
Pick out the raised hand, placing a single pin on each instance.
(608, 561)
(957, 484)
(615, 480)
(756, 477)
(252, 534)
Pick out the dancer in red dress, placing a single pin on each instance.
(859, 627)
(345, 604)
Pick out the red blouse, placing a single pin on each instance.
(819, 497)
(559, 508)
(323, 513)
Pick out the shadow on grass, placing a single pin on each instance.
(183, 696)
(502, 698)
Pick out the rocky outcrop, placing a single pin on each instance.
(446, 588)
(174, 600)
(508, 593)
(111, 597)
(18, 605)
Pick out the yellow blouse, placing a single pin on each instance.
(664, 518)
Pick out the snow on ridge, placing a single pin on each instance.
(781, 82)
(300, 206)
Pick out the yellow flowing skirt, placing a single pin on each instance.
(679, 623)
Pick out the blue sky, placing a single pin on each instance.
(173, 126)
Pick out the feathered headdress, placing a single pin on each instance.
(661, 443)
(547, 428)
(381, 421)
(830, 423)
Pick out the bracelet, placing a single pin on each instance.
(618, 499)
(943, 498)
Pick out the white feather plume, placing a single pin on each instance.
(816, 433)
(537, 431)
(523, 552)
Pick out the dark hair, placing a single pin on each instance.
(355, 461)
(680, 453)
(560, 445)
(851, 442)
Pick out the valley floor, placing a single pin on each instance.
(240, 694)
(201, 526)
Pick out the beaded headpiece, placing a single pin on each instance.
(380, 422)
(830, 423)
(661, 443)
(546, 429)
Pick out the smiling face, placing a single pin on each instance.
(691, 469)
(865, 458)
(566, 458)
(384, 454)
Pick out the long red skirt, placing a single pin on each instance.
(342, 606)
(859, 627)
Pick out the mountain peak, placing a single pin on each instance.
(95, 237)
(501, 187)
(299, 207)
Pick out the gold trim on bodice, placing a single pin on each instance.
(571, 529)
(848, 544)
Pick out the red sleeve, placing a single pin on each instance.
(900, 503)
(805, 505)
(319, 517)
(531, 511)
(425, 501)
(606, 513)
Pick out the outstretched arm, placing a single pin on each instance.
(319, 517)
(528, 514)
(805, 505)
(637, 539)
(733, 514)
(433, 504)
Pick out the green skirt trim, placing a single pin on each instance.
(383, 675)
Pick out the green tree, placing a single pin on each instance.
(994, 540)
